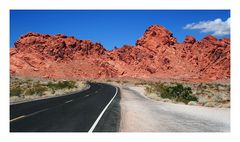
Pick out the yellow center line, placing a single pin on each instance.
(24, 116)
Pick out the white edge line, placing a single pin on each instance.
(101, 114)
(17, 118)
(68, 101)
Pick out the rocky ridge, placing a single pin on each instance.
(156, 55)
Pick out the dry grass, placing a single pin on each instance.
(22, 89)
(208, 94)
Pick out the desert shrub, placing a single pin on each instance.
(118, 81)
(62, 85)
(27, 87)
(202, 86)
(35, 89)
(15, 91)
(51, 85)
(178, 92)
(148, 89)
(39, 90)
(29, 91)
(67, 84)
(123, 82)
(140, 83)
(158, 88)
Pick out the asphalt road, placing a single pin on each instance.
(71, 113)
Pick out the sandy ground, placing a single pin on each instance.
(140, 114)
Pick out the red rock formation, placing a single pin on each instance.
(156, 36)
(157, 55)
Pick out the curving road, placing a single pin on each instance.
(99, 109)
(86, 111)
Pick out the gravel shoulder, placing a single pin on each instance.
(141, 114)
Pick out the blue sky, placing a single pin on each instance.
(118, 27)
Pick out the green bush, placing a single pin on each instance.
(62, 85)
(178, 92)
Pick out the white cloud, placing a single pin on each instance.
(217, 27)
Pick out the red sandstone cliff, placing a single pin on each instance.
(156, 55)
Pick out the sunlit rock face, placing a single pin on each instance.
(156, 55)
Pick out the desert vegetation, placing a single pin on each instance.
(177, 92)
(205, 94)
(33, 88)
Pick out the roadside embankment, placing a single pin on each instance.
(24, 89)
(200, 94)
(139, 113)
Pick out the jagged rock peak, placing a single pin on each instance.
(189, 39)
(158, 30)
(156, 36)
(34, 34)
(210, 38)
